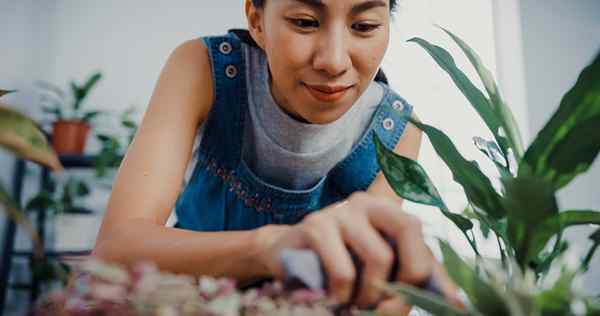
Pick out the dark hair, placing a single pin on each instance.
(242, 34)
(261, 3)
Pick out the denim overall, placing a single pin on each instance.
(223, 193)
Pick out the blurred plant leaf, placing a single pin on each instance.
(129, 124)
(42, 201)
(21, 135)
(12, 210)
(595, 238)
(502, 111)
(49, 87)
(545, 259)
(414, 296)
(556, 301)
(483, 296)
(89, 116)
(494, 153)
(408, 179)
(477, 186)
(5, 92)
(91, 82)
(527, 201)
(569, 142)
(478, 100)
(559, 222)
(54, 110)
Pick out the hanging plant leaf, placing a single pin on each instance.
(408, 179)
(502, 111)
(483, 296)
(475, 97)
(477, 186)
(414, 296)
(569, 142)
(21, 135)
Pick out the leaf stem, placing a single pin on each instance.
(585, 264)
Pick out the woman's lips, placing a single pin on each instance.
(327, 93)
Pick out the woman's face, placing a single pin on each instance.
(322, 53)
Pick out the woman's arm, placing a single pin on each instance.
(150, 177)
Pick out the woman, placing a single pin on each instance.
(271, 133)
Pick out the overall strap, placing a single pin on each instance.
(357, 171)
(222, 138)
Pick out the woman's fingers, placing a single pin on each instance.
(325, 238)
(415, 258)
(449, 289)
(374, 253)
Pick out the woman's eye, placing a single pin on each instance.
(305, 23)
(365, 27)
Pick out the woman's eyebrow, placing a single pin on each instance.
(356, 9)
(367, 5)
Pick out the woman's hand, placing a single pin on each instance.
(356, 222)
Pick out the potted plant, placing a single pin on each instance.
(72, 123)
(531, 277)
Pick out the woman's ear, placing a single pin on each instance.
(254, 16)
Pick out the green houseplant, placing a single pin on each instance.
(71, 124)
(523, 215)
(113, 145)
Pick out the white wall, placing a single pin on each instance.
(560, 38)
(22, 25)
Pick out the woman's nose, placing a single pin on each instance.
(332, 55)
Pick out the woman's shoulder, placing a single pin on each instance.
(189, 68)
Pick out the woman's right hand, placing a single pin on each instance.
(356, 222)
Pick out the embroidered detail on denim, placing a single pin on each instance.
(260, 204)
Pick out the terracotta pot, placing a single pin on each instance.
(69, 137)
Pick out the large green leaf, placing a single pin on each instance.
(528, 200)
(410, 181)
(21, 135)
(477, 186)
(478, 100)
(569, 142)
(503, 112)
(417, 297)
(483, 296)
